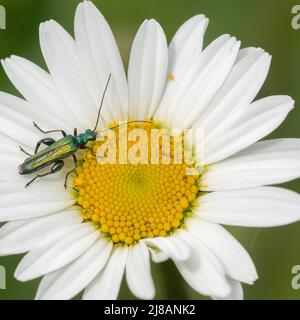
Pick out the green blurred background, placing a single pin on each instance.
(262, 23)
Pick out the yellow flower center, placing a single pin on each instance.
(132, 201)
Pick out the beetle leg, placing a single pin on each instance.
(57, 166)
(50, 131)
(24, 151)
(46, 141)
(71, 171)
(67, 176)
(75, 132)
(75, 159)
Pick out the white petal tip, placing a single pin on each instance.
(21, 277)
(147, 296)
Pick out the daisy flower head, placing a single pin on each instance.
(114, 218)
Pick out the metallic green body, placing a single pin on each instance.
(59, 150)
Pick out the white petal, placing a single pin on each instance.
(174, 247)
(157, 255)
(47, 259)
(46, 281)
(138, 272)
(27, 204)
(76, 276)
(184, 50)
(256, 207)
(17, 185)
(24, 235)
(147, 71)
(37, 87)
(57, 234)
(236, 291)
(18, 126)
(17, 117)
(239, 89)
(99, 56)
(204, 86)
(202, 271)
(186, 98)
(263, 163)
(11, 157)
(186, 45)
(9, 187)
(234, 258)
(5, 140)
(244, 52)
(250, 124)
(107, 284)
(60, 54)
(12, 151)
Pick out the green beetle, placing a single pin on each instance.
(56, 151)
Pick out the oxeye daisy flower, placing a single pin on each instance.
(114, 218)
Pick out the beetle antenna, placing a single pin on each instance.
(99, 111)
(125, 123)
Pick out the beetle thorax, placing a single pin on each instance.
(84, 138)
